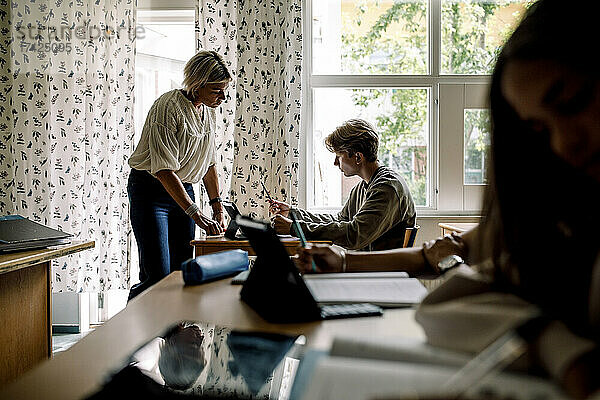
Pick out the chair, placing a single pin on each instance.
(409, 235)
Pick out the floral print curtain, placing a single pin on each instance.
(66, 76)
(261, 42)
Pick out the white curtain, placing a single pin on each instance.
(66, 106)
(261, 42)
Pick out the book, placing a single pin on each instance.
(20, 233)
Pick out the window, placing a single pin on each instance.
(162, 49)
(417, 70)
(165, 44)
(402, 112)
(476, 144)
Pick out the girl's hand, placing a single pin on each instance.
(327, 258)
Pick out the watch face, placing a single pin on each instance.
(449, 262)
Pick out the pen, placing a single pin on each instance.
(266, 191)
(298, 229)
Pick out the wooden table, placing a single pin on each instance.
(79, 371)
(458, 227)
(25, 307)
(213, 245)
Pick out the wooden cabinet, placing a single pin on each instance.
(25, 308)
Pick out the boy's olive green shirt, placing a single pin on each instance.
(374, 217)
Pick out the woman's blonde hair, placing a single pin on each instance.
(204, 68)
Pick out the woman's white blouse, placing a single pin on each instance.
(176, 137)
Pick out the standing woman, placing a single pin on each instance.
(176, 150)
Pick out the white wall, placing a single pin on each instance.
(71, 312)
(429, 226)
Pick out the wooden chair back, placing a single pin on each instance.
(409, 235)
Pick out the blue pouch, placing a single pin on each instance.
(214, 266)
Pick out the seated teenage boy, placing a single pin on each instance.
(379, 208)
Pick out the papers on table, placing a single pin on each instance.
(386, 289)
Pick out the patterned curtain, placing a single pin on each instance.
(261, 42)
(67, 73)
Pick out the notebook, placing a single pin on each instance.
(20, 233)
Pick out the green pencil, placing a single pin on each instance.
(300, 234)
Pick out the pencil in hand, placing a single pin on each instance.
(266, 192)
(300, 234)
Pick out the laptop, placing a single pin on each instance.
(232, 231)
(19, 233)
(276, 290)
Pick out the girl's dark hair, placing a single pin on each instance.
(533, 221)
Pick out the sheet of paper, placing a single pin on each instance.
(381, 291)
(358, 275)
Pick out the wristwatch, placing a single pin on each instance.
(449, 262)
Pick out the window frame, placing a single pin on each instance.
(443, 194)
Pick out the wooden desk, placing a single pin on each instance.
(25, 307)
(79, 371)
(458, 227)
(213, 245)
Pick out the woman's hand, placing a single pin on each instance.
(327, 258)
(281, 224)
(219, 217)
(211, 226)
(279, 208)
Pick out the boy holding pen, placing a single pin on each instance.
(378, 210)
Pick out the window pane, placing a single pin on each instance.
(401, 118)
(166, 44)
(473, 32)
(477, 143)
(369, 37)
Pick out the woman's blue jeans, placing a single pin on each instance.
(162, 229)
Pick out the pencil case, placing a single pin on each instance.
(214, 266)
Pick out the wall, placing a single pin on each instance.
(429, 226)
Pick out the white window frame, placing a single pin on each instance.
(447, 195)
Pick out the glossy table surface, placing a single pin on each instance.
(79, 371)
